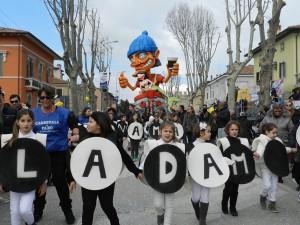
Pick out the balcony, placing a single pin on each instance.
(33, 84)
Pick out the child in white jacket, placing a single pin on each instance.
(270, 180)
(21, 203)
(163, 203)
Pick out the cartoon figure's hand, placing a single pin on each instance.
(174, 70)
(123, 81)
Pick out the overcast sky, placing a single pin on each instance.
(124, 20)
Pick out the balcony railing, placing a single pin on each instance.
(34, 84)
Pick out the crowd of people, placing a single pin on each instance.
(214, 124)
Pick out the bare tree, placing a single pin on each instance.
(236, 14)
(196, 32)
(267, 47)
(104, 57)
(70, 19)
(89, 74)
(171, 88)
(179, 22)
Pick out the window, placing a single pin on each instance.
(29, 71)
(282, 70)
(40, 71)
(48, 75)
(59, 92)
(257, 77)
(1, 64)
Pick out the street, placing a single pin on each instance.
(134, 203)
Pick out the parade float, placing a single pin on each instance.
(144, 55)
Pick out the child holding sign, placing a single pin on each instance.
(135, 143)
(21, 203)
(270, 180)
(230, 191)
(200, 194)
(99, 126)
(163, 202)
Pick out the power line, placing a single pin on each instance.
(10, 19)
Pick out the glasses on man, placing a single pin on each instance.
(14, 101)
(288, 105)
(45, 97)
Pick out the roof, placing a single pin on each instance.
(246, 71)
(281, 35)
(13, 32)
(59, 81)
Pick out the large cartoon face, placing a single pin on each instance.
(143, 61)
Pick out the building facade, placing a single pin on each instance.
(217, 88)
(286, 65)
(62, 87)
(26, 64)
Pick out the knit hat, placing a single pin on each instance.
(143, 43)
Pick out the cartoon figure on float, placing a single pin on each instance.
(143, 54)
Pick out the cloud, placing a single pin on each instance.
(124, 20)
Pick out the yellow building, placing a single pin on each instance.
(286, 64)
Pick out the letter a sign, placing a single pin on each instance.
(135, 131)
(96, 163)
(207, 166)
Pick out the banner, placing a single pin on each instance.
(104, 81)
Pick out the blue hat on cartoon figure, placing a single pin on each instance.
(143, 43)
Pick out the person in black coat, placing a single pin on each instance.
(246, 130)
(99, 125)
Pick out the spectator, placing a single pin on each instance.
(181, 113)
(245, 127)
(223, 117)
(296, 94)
(7, 114)
(274, 95)
(280, 117)
(190, 120)
(213, 125)
(204, 115)
(15, 102)
(83, 119)
(112, 113)
(130, 112)
(289, 107)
